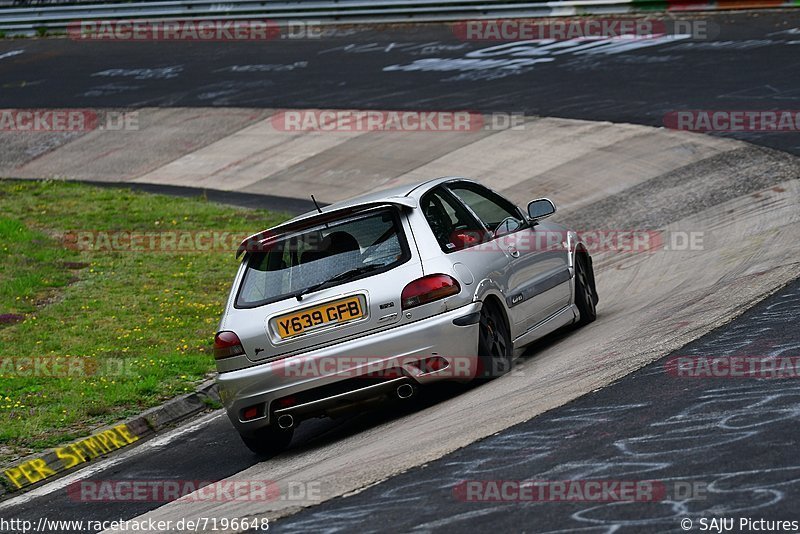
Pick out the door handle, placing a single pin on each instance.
(513, 251)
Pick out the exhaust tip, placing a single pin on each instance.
(405, 391)
(285, 421)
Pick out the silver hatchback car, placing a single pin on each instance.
(368, 299)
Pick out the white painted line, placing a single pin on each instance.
(102, 465)
(11, 54)
(171, 436)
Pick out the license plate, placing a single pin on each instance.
(339, 311)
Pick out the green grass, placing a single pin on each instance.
(150, 314)
(37, 265)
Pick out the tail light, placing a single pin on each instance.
(227, 344)
(428, 289)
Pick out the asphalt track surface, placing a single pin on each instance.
(733, 441)
(749, 61)
(752, 64)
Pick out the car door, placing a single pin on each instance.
(538, 275)
(462, 237)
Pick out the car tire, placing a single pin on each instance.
(585, 293)
(494, 344)
(269, 441)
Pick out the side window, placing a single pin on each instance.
(452, 225)
(492, 209)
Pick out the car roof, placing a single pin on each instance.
(403, 195)
(388, 196)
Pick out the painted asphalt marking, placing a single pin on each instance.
(171, 436)
(69, 456)
(87, 472)
(12, 53)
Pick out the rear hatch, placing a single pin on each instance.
(324, 283)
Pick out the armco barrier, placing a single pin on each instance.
(56, 15)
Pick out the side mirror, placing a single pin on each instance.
(541, 208)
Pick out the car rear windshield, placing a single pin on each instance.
(371, 243)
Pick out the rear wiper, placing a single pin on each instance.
(337, 278)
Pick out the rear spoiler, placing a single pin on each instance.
(260, 240)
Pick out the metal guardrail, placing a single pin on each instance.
(57, 17)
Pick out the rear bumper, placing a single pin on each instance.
(331, 404)
(344, 374)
